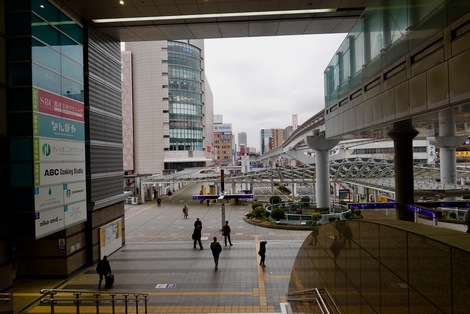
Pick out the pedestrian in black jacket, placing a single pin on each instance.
(262, 252)
(103, 269)
(216, 248)
(197, 236)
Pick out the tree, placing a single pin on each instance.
(275, 199)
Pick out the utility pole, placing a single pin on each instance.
(221, 197)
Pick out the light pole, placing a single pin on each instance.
(221, 197)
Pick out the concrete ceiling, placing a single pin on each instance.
(200, 19)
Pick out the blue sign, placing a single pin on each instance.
(371, 205)
(424, 211)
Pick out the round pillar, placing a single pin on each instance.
(402, 135)
(322, 147)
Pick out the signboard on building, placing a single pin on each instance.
(222, 128)
(59, 162)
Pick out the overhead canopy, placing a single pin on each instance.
(374, 173)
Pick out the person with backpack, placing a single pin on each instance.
(103, 269)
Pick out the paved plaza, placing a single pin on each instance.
(158, 258)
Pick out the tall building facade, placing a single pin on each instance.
(265, 135)
(277, 138)
(61, 168)
(172, 106)
(242, 143)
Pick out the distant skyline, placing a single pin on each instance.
(258, 83)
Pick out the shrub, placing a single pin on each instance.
(297, 207)
(357, 213)
(259, 212)
(283, 189)
(275, 199)
(452, 215)
(347, 215)
(445, 213)
(278, 213)
(311, 223)
(256, 204)
(316, 216)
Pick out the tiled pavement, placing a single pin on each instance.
(158, 258)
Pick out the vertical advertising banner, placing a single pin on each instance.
(59, 162)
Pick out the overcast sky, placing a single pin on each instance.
(258, 83)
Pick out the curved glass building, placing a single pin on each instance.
(185, 97)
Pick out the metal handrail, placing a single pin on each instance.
(79, 297)
(5, 296)
(318, 298)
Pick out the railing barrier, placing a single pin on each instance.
(321, 297)
(99, 299)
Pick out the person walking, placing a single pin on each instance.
(198, 223)
(159, 202)
(197, 236)
(262, 252)
(103, 269)
(185, 212)
(216, 248)
(226, 233)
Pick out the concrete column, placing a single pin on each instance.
(447, 142)
(322, 147)
(402, 135)
(294, 189)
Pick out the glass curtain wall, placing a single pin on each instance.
(185, 97)
(383, 31)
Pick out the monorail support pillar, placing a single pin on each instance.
(447, 142)
(322, 148)
(402, 135)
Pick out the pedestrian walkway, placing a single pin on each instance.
(158, 258)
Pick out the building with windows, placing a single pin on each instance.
(265, 134)
(172, 106)
(61, 141)
(242, 142)
(276, 138)
(223, 144)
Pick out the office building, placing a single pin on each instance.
(223, 144)
(276, 138)
(61, 140)
(172, 106)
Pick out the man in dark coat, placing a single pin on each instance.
(103, 269)
(226, 233)
(262, 252)
(216, 248)
(197, 236)
(198, 223)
